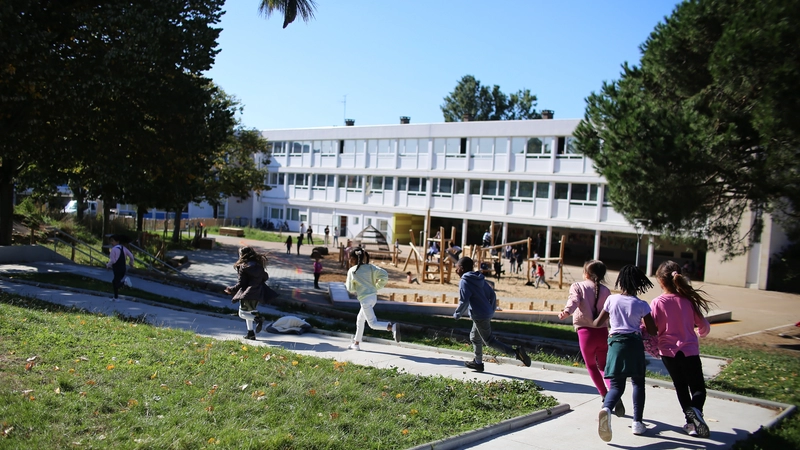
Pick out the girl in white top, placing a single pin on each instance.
(365, 279)
(625, 313)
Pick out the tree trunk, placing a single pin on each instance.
(106, 217)
(140, 212)
(6, 203)
(176, 231)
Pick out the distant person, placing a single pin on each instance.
(336, 236)
(487, 239)
(512, 261)
(299, 243)
(477, 298)
(410, 278)
(453, 252)
(327, 233)
(302, 228)
(309, 234)
(288, 244)
(586, 300)
(625, 313)
(249, 290)
(317, 269)
(540, 276)
(558, 269)
(676, 312)
(365, 279)
(433, 250)
(116, 261)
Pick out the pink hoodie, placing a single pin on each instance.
(582, 306)
(676, 318)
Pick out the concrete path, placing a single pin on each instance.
(730, 417)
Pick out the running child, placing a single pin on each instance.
(625, 313)
(365, 280)
(586, 300)
(116, 261)
(477, 297)
(249, 290)
(677, 311)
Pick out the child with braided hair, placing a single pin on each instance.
(365, 280)
(625, 313)
(586, 300)
(249, 290)
(677, 311)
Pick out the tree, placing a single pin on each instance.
(81, 81)
(470, 98)
(706, 129)
(289, 8)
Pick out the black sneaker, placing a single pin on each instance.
(522, 356)
(619, 409)
(477, 367)
(259, 323)
(251, 335)
(695, 416)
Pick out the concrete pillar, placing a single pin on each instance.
(548, 242)
(596, 254)
(651, 247)
(464, 224)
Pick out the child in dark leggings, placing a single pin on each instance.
(677, 312)
(116, 261)
(625, 313)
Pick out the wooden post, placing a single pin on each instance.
(530, 307)
(404, 298)
(444, 298)
(510, 306)
(73, 252)
(391, 297)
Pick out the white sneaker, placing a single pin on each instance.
(604, 424)
(638, 428)
(355, 347)
(112, 299)
(127, 282)
(396, 332)
(690, 429)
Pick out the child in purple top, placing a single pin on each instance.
(677, 312)
(625, 314)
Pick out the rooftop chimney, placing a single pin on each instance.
(466, 117)
(405, 119)
(547, 113)
(349, 122)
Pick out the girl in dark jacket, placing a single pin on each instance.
(249, 291)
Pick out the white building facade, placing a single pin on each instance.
(524, 176)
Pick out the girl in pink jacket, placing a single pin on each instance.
(586, 300)
(677, 312)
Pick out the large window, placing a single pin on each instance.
(277, 148)
(482, 146)
(542, 190)
(458, 186)
(328, 147)
(584, 194)
(566, 147)
(350, 182)
(293, 214)
(276, 179)
(298, 179)
(539, 147)
(349, 147)
(414, 186)
(323, 181)
(522, 191)
(442, 187)
(276, 213)
(494, 189)
(562, 191)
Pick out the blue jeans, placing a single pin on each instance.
(618, 388)
(481, 334)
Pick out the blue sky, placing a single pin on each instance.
(401, 58)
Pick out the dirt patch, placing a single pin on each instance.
(784, 340)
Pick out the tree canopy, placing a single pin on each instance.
(483, 103)
(706, 128)
(289, 8)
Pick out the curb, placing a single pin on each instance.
(471, 437)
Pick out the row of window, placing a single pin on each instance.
(563, 145)
(444, 187)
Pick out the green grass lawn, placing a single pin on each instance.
(761, 373)
(74, 379)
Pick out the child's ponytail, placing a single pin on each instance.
(597, 274)
(673, 281)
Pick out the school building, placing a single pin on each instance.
(523, 176)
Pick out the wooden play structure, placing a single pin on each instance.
(435, 268)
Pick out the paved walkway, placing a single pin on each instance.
(730, 417)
